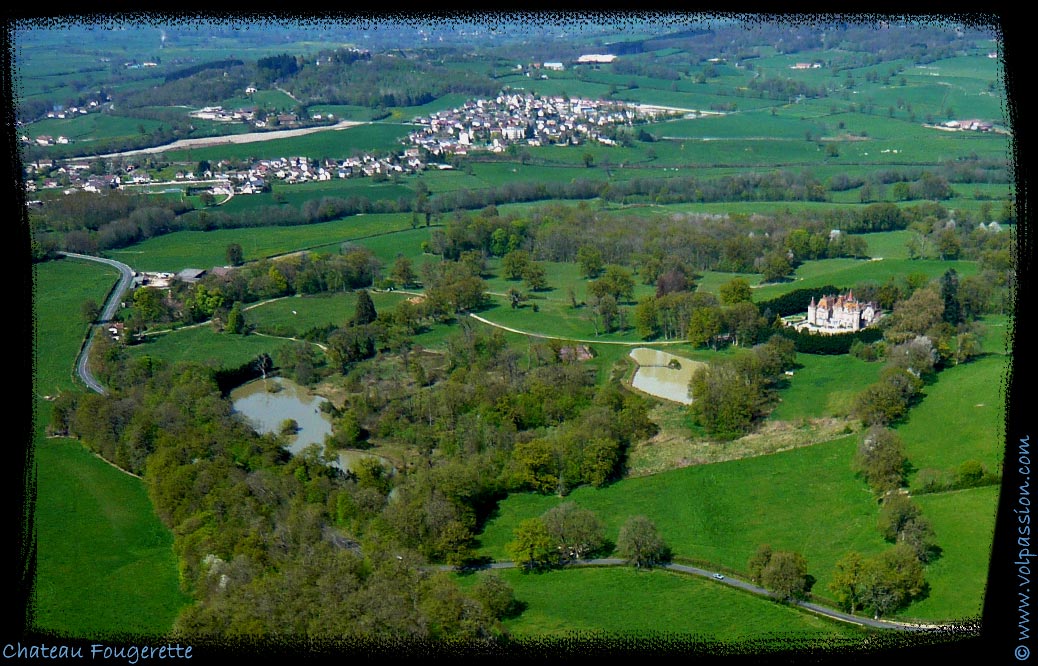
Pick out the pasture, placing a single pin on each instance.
(205, 249)
(105, 563)
(960, 417)
(616, 602)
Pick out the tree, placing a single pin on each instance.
(590, 260)
(235, 319)
(364, 313)
(90, 311)
(786, 574)
(743, 321)
(887, 400)
(534, 277)
(577, 531)
(403, 273)
(515, 263)
(890, 580)
(918, 535)
(148, 303)
(725, 402)
(497, 596)
(896, 512)
(846, 582)
(775, 266)
(672, 281)
(532, 544)
(234, 254)
(515, 297)
(975, 292)
(949, 286)
(704, 326)
(640, 543)
(880, 459)
(647, 318)
(617, 282)
(735, 291)
(758, 561)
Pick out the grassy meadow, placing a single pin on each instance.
(615, 602)
(205, 249)
(105, 562)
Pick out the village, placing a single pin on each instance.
(493, 125)
(488, 125)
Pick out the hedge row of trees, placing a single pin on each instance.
(568, 532)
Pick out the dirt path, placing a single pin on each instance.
(544, 336)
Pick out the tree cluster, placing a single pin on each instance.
(729, 396)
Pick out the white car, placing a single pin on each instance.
(718, 576)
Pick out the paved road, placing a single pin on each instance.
(249, 137)
(126, 279)
(114, 299)
(748, 587)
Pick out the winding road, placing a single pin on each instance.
(114, 298)
(748, 587)
(126, 279)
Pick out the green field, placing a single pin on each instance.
(958, 577)
(105, 562)
(623, 601)
(721, 513)
(205, 249)
(824, 386)
(966, 406)
(60, 287)
(848, 272)
(332, 144)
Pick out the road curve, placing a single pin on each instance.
(544, 336)
(742, 585)
(126, 279)
(114, 299)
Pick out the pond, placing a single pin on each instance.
(267, 403)
(663, 375)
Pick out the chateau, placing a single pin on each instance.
(838, 314)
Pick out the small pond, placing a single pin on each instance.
(662, 374)
(267, 403)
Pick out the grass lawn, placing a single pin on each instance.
(806, 500)
(849, 272)
(622, 600)
(961, 417)
(301, 313)
(105, 562)
(205, 249)
(204, 345)
(959, 576)
(60, 289)
(824, 386)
